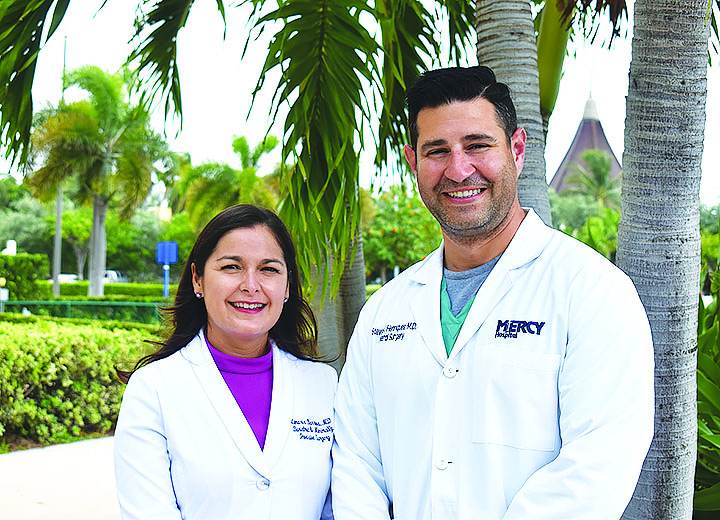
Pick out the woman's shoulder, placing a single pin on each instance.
(161, 367)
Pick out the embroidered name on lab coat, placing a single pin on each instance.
(393, 332)
(320, 430)
(511, 328)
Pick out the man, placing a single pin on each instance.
(509, 375)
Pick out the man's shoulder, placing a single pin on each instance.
(569, 257)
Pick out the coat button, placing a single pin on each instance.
(262, 484)
(442, 463)
(450, 372)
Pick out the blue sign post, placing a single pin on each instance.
(166, 253)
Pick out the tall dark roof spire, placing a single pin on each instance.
(589, 136)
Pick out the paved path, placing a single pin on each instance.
(65, 482)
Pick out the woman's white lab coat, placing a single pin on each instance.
(184, 450)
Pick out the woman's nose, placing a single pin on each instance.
(249, 283)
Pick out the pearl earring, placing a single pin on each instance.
(198, 295)
(285, 300)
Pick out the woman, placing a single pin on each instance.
(231, 417)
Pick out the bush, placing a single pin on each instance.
(139, 312)
(58, 378)
(133, 290)
(22, 273)
(707, 471)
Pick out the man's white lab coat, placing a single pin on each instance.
(543, 410)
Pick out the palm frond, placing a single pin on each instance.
(589, 12)
(105, 94)
(461, 26)
(408, 47)
(21, 28)
(326, 58)
(154, 57)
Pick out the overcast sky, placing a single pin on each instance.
(216, 85)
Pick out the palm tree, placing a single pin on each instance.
(209, 188)
(512, 54)
(592, 178)
(104, 142)
(659, 240)
(333, 70)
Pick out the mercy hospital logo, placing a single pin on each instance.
(511, 328)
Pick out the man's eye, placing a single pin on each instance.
(437, 151)
(477, 146)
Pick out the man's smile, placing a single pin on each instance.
(465, 194)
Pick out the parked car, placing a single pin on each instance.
(112, 276)
(65, 278)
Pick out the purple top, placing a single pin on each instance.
(250, 381)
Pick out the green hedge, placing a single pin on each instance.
(103, 310)
(58, 381)
(22, 273)
(133, 290)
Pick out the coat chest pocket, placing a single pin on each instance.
(515, 399)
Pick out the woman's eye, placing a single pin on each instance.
(230, 267)
(271, 269)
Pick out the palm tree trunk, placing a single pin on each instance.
(57, 243)
(98, 245)
(324, 309)
(350, 299)
(506, 44)
(659, 241)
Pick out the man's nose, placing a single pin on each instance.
(460, 167)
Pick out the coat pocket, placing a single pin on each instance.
(515, 399)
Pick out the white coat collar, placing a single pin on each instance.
(222, 400)
(526, 245)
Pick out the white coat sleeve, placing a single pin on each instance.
(606, 402)
(142, 464)
(358, 485)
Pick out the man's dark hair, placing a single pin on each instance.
(439, 87)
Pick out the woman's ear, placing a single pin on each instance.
(196, 280)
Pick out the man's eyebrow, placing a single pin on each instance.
(432, 144)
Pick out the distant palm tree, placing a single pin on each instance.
(594, 179)
(209, 188)
(106, 144)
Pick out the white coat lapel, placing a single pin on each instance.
(222, 400)
(426, 306)
(281, 406)
(530, 239)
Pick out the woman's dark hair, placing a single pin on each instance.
(296, 329)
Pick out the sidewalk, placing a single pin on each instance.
(65, 482)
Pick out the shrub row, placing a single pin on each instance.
(131, 290)
(133, 312)
(57, 380)
(21, 273)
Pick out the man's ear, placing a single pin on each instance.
(411, 158)
(517, 145)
